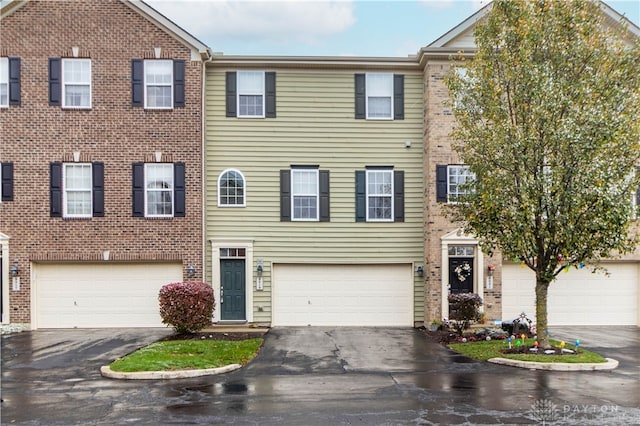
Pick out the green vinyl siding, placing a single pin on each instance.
(314, 125)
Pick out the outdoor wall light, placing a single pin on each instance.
(420, 270)
(490, 269)
(191, 271)
(259, 269)
(15, 270)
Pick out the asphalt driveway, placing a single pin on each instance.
(315, 376)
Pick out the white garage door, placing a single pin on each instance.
(578, 297)
(101, 295)
(343, 295)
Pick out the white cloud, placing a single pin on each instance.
(449, 4)
(266, 20)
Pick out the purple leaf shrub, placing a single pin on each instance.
(186, 306)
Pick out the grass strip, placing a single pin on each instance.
(188, 354)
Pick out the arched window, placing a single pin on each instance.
(231, 189)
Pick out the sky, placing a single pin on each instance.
(382, 28)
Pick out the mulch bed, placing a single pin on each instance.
(446, 337)
(212, 336)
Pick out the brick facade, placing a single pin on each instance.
(439, 122)
(34, 134)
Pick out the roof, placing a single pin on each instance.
(459, 37)
(199, 51)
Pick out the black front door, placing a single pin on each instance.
(232, 290)
(461, 274)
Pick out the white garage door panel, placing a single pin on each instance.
(578, 297)
(342, 295)
(100, 295)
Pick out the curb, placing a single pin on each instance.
(160, 375)
(557, 366)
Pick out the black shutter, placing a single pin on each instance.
(361, 96)
(361, 196)
(178, 83)
(179, 190)
(325, 212)
(398, 196)
(270, 92)
(137, 82)
(231, 89)
(285, 195)
(398, 97)
(55, 189)
(97, 170)
(441, 184)
(138, 190)
(14, 81)
(55, 82)
(7, 181)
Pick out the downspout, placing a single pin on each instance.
(203, 167)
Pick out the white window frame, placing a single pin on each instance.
(375, 92)
(316, 195)
(452, 198)
(66, 62)
(244, 189)
(247, 92)
(4, 80)
(370, 195)
(147, 84)
(66, 190)
(148, 190)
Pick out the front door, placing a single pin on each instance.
(461, 274)
(232, 290)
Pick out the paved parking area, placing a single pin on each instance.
(315, 376)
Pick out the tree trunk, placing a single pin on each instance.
(541, 313)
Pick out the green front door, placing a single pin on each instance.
(232, 290)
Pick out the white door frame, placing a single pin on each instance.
(459, 238)
(4, 258)
(216, 245)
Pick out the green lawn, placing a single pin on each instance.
(188, 354)
(483, 350)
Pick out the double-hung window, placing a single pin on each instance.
(231, 189)
(251, 94)
(9, 82)
(159, 190)
(304, 194)
(4, 82)
(158, 84)
(450, 181)
(70, 83)
(76, 190)
(76, 83)
(77, 186)
(158, 183)
(379, 194)
(379, 96)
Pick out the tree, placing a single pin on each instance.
(548, 119)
